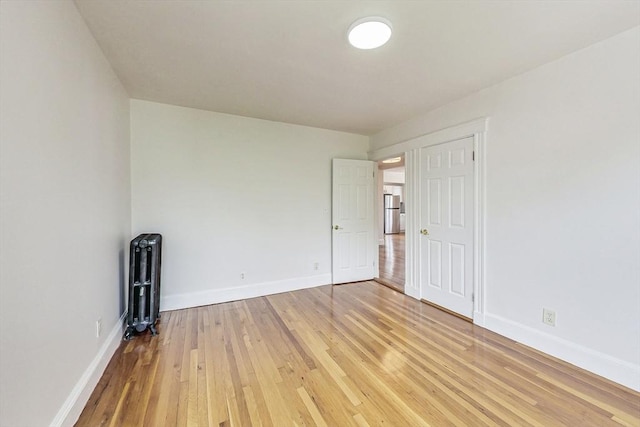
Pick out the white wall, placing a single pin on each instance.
(64, 211)
(562, 203)
(234, 195)
(394, 176)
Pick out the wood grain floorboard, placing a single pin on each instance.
(391, 262)
(350, 355)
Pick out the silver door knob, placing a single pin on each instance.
(424, 232)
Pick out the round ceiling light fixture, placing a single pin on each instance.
(370, 32)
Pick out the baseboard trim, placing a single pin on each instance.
(410, 291)
(478, 318)
(77, 399)
(616, 370)
(216, 296)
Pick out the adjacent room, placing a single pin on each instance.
(435, 225)
(392, 224)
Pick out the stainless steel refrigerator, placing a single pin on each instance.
(391, 214)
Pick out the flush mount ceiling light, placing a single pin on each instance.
(369, 33)
(394, 160)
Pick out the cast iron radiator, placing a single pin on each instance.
(144, 284)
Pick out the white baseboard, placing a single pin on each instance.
(619, 371)
(215, 296)
(411, 291)
(77, 399)
(478, 319)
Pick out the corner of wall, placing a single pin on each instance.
(77, 399)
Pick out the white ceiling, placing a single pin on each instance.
(289, 61)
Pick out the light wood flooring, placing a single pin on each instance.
(350, 355)
(391, 260)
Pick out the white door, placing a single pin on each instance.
(446, 225)
(354, 245)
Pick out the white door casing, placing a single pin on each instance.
(478, 130)
(446, 225)
(354, 249)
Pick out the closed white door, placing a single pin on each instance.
(354, 245)
(446, 225)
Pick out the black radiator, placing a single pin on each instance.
(144, 284)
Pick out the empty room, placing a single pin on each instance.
(364, 213)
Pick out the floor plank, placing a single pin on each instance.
(357, 354)
(391, 261)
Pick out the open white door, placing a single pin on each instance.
(353, 243)
(446, 225)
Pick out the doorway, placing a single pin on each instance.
(391, 249)
(415, 274)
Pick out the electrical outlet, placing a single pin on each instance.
(98, 328)
(316, 265)
(242, 276)
(548, 317)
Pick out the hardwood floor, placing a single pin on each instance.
(391, 261)
(350, 355)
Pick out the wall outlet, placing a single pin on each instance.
(242, 275)
(548, 317)
(316, 265)
(98, 328)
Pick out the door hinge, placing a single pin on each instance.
(473, 156)
(473, 297)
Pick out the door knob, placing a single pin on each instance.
(424, 232)
(337, 227)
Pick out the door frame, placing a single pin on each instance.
(411, 150)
